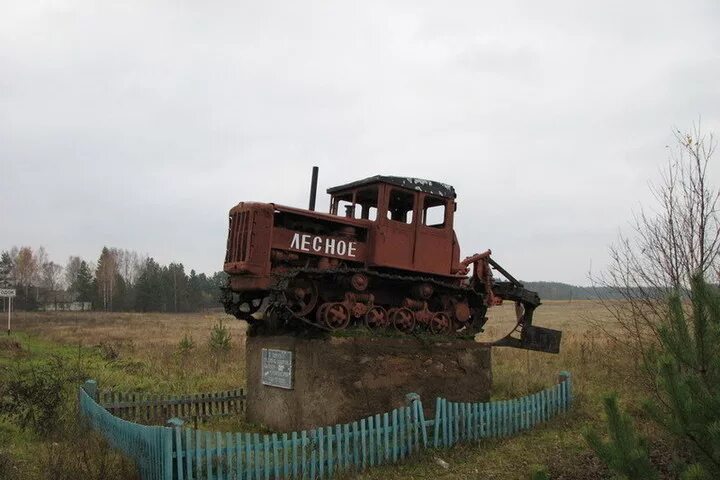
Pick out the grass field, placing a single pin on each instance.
(140, 352)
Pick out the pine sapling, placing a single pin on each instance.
(219, 341)
(688, 375)
(624, 453)
(184, 349)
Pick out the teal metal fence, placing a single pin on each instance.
(189, 454)
(149, 446)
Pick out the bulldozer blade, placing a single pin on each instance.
(539, 339)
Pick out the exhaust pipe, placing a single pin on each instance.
(313, 188)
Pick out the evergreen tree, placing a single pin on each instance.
(83, 284)
(206, 287)
(120, 298)
(6, 266)
(625, 453)
(149, 288)
(216, 283)
(194, 292)
(219, 342)
(175, 288)
(688, 374)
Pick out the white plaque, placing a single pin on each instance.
(276, 368)
(7, 292)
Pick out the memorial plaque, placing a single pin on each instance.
(277, 368)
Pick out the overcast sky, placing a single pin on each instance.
(140, 124)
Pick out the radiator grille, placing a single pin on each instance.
(238, 246)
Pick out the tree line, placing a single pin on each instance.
(120, 280)
(565, 291)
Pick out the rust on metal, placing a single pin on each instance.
(385, 256)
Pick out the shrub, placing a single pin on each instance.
(82, 453)
(108, 351)
(35, 395)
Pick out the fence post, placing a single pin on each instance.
(415, 402)
(91, 388)
(564, 376)
(436, 424)
(167, 451)
(176, 425)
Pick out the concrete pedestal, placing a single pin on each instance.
(338, 380)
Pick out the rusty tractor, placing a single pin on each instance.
(385, 256)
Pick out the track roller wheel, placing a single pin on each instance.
(439, 323)
(336, 316)
(376, 317)
(320, 313)
(403, 319)
(303, 295)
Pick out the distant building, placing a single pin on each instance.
(61, 301)
(66, 307)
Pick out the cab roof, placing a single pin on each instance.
(419, 184)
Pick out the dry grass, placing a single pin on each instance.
(138, 330)
(140, 351)
(584, 351)
(597, 368)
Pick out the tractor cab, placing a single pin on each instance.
(412, 219)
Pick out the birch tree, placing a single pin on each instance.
(72, 269)
(105, 274)
(25, 267)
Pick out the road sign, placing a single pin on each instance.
(9, 293)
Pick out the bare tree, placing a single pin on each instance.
(72, 269)
(51, 279)
(128, 262)
(678, 238)
(25, 267)
(41, 258)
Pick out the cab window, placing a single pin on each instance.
(400, 206)
(367, 199)
(344, 206)
(433, 212)
(362, 203)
